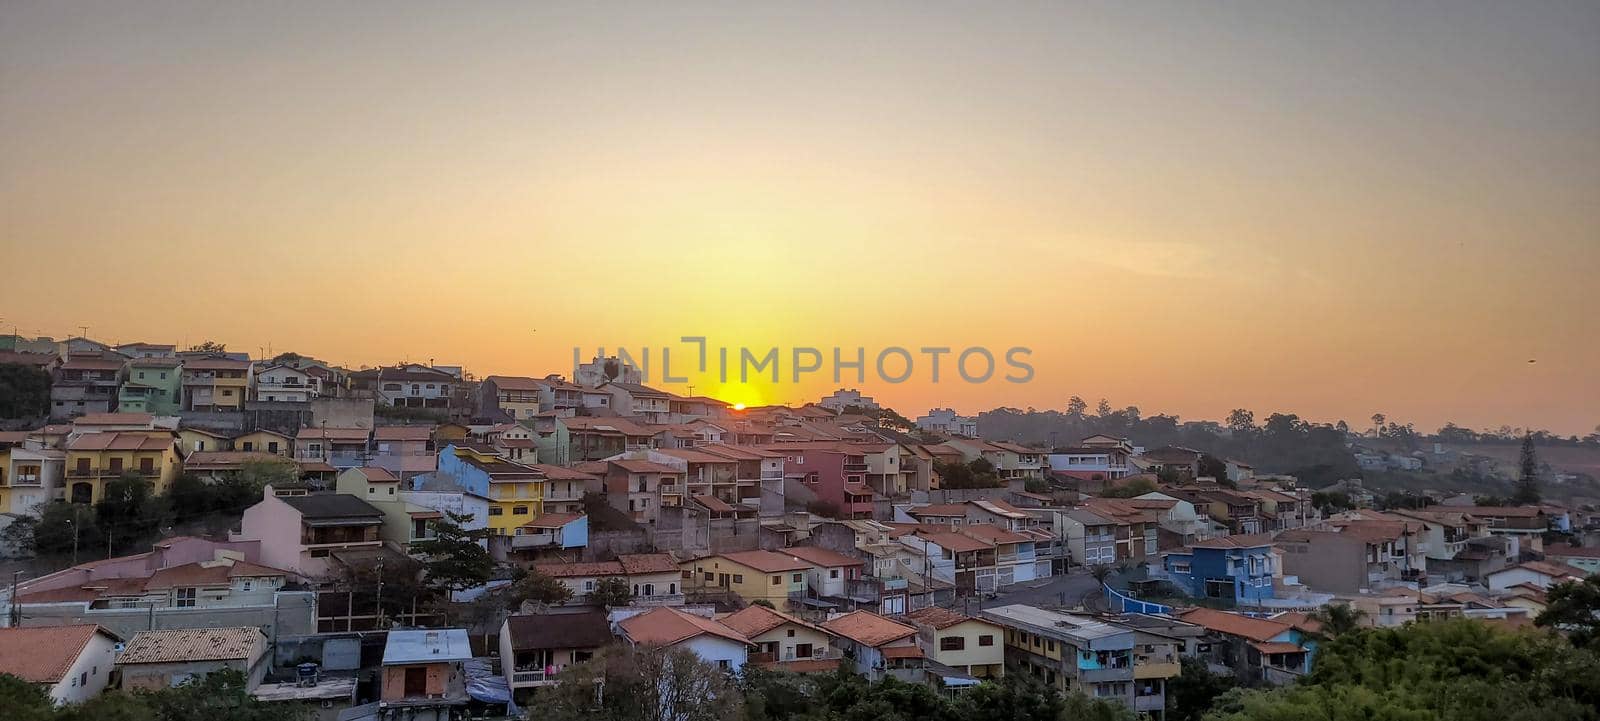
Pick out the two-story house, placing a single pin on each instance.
(971, 646)
(633, 399)
(337, 447)
(783, 642)
(405, 451)
(284, 384)
(877, 647)
(753, 575)
(216, 383)
(655, 578)
(535, 648)
(666, 627)
(152, 385)
(94, 459)
(300, 533)
(515, 491)
(1256, 649)
(1072, 652)
(71, 664)
(510, 398)
(85, 383)
(1232, 569)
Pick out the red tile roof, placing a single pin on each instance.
(666, 626)
(939, 618)
(43, 654)
(1233, 624)
(821, 556)
(868, 628)
(767, 561)
(753, 621)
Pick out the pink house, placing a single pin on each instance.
(301, 533)
(405, 451)
(836, 472)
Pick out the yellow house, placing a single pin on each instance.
(967, 644)
(93, 459)
(196, 440)
(515, 491)
(753, 575)
(265, 441)
(785, 643)
(215, 384)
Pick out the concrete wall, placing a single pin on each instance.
(94, 665)
(342, 412)
(294, 613)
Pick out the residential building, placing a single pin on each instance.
(783, 642)
(1345, 556)
(665, 627)
(301, 533)
(535, 648)
(182, 582)
(338, 447)
(830, 572)
(284, 384)
(406, 451)
(547, 536)
(1185, 461)
(197, 440)
(1586, 559)
(841, 399)
(1256, 649)
(1541, 574)
(1091, 538)
(633, 399)
(95, 459)
(85, 383)
(262, 440)
(1105, 462)
(30, 473)
(758, 476)
(515, 491)
(155, 660)
(608, 369)
(1525, 523)
(1237, 511)
(152, 385)
(1072, 652)
(752, 575)
(410, 385)
(836, 473)
(511, 398)
(877, 647)
(948, 422)
(1232, 569)
(71, 664)
(971, 646)
(515, 442)
(654, 578)
(216, 384)
(690, 408)
(1179, 522)
(564, 488)
(641, 487)
(139, 351)
(975, 558)
(422, 677)
(1010, 460)
(596, 438)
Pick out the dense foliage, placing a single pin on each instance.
(1456, 670)
(218, 696)
(1574, 609)
(24, 391)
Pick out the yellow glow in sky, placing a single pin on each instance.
(1321, 209)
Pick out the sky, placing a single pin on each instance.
(1332, 209)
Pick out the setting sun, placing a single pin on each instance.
(738, 406)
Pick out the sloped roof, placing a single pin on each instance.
(753, 621)
(122, 441)
(939, 618)
(555, 631)
(193, 644)
(1252, 540)
(331, 505)
(43, 654)
(821, 556)
(868, 628)
(665, 626)
(1233, 624)
(767, 561)
(639, 563)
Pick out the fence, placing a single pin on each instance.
(1123, 603)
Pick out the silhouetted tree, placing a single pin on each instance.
(1527, 491)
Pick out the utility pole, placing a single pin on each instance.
(16, 606)
(380, 591)
(74, 523)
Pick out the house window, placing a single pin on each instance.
(986, 640)
(833, 573)
(519, 511)
(588, 586)
(791, 633)
(738, 578)
(776, 580)
(248, 446)
(185, 598)
(952, 643)
(496, 510)
(724, 664)
(246, 585)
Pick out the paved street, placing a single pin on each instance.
(1069, 591)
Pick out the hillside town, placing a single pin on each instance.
(414, 542)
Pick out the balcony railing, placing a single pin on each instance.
(31, 479)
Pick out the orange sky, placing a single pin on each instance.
(1326, 210)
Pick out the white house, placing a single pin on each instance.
(284, 383)
(946, 420)
(1543, 574)
(665, 627)
(830, 571)
(71, 663)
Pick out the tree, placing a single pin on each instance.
(1527, 490)
(1191, 693)
(24, 701)
(455, 557)
(126, 511)
(1103, 408)
(1214, 467)
(1077, 406)
(539, 588)
(1169, 475)
(18, 536)
(611, 592)
(1377, 423)
(624, 683)
(24, 391)
(223, 695)
(1337, 619)
(1241, 421)
(209, 346)
(63, 526)
(1574, 609)
(1022, 697)
(1100, 572)
(1454, 669)
(190, 496)
(1135, 487)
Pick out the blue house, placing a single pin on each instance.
(1231, 568)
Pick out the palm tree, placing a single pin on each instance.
(1337, 619)
(1100, 571)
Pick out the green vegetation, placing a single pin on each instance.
(1135, 487)
(455, 560)
(1193, 691)
(980, 473)
(217, 696)
(1574, 609)
(24, 391)
(1454, 670)
(1527, 492)
(611, 592)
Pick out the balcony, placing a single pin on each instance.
(530, 677)
(855, 468)
(28, 479)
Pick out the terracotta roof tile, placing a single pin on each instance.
(821, 557)
(666, 626)
(939, 618)
(43, 654)
(868, 628)
(767, 561)
(194, 644)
